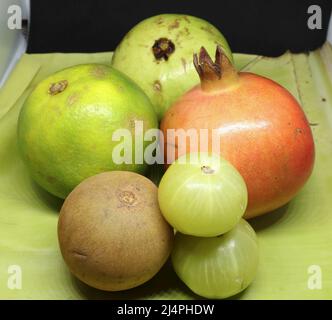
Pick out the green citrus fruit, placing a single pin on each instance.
(158, 55)
(66, 126)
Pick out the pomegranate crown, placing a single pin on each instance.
(214, 74)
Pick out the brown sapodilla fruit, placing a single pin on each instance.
(111, 232)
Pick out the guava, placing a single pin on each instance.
(158, 53)
(67, 126)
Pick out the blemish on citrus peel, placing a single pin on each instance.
(57, 87)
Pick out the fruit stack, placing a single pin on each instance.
(232, 146)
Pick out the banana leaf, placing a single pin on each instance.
(295, 241)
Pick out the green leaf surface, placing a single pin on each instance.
(291, 239)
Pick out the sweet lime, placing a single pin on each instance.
(66, 126)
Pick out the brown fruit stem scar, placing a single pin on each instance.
(163, 48)
(127, 198)
(57, 87)
(220, 73)
(157, 86)
(207, 170)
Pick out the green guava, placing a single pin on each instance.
(67, 126)
(158, 55)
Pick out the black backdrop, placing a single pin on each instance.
(266, 27)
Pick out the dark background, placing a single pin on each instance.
(252, 26)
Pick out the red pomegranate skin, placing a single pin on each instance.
(263, 132)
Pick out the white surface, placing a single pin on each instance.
(12, 42)
(26, 9)
(329, 33)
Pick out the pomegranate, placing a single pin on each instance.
(262, 129)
